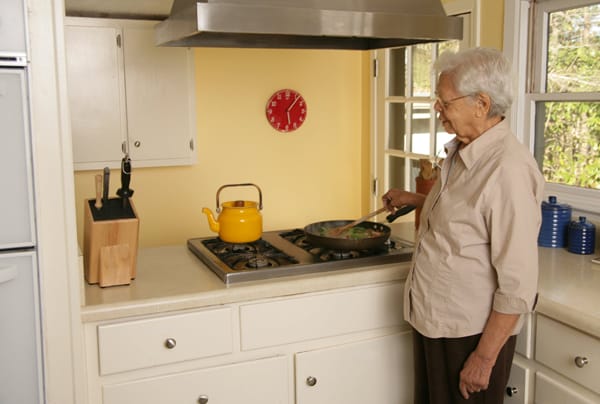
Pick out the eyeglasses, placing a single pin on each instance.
(445, 104)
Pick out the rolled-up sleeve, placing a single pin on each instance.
(514, 222)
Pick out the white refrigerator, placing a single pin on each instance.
(20, 337)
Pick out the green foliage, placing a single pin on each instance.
(572, 129)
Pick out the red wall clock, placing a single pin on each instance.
(286, 110)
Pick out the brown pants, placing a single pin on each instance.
(437, 365)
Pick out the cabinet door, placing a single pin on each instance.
(160, 90)
(19, 330)
(12, 27)
(258, 382)
(16, 214)
(551, 391)
(379, 370)
(517, 386)
(96, 94)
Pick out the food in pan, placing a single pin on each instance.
(353, 233)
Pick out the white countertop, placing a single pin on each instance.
(172, 278)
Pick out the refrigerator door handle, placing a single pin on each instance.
(7, 274)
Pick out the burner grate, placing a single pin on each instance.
(256, 255)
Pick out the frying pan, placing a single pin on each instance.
(314, 233)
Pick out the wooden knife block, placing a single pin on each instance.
(110, 243)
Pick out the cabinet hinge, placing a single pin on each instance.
(192, 144)
(375, 186)
(119, 40)
(375, 67)
(124, 147)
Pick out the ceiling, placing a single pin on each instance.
(148, 9)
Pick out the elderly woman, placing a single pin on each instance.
(474, 270)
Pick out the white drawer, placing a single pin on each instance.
(263, 381)
(322, 315)
(558, 346)
(157, 341)
(551, 391)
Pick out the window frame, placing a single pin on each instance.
(522, 36)
(380, 170)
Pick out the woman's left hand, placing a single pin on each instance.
(475, 375)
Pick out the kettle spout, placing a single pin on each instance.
(212, 223)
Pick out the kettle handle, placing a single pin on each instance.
(246, 184)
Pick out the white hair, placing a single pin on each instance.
(480, 70)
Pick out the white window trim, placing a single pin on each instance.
(516, 27)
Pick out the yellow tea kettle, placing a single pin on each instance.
(239, 221)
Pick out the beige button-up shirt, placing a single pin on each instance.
(476, 248)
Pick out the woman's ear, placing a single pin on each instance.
(484, 103)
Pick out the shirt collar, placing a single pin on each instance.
(478, 148)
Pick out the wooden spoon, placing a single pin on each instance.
(336, 231)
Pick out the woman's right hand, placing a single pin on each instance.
(396, 198)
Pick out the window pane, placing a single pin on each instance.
(402, 173)
(448, 46)
(397, 121)
(421, 70)
(398, 66)
(420, 117)
(568, 142)
(574, 50)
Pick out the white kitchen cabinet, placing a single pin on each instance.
(353, 340)
(261, 381)
(378, 370)
(128, 95)
(150, 342)
(517, 388)
(550, 390)
(569, 352)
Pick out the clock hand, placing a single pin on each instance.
(293, 103)
(288, 116)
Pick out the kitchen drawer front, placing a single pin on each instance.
(157, 341)
(517, 388)
(559, 347)
(263, 381)
(324, 315)
(550, 391)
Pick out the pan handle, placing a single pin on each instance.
(400, 212)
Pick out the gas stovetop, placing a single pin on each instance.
(285, 253)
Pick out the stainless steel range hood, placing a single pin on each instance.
(308, 24)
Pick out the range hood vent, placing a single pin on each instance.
(307, 24)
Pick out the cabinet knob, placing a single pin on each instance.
(581, 361)
(311, 381)
(511, 391)
(170, 343)
(203, 399)
(137, 143)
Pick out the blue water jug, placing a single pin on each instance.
(582, 237)
(555, 223)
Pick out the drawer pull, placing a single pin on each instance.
(203, 399)
(311, 381)
(511, 391)
(170, 343)
(581, 361)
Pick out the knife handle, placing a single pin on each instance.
(106, 184)
(98, 204)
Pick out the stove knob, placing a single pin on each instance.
(203, 399)
(311, 381)
(170, 343)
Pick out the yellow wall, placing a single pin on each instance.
(315, 173)
(492, 23)
(320, 172)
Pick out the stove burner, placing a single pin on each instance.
(339, 255)
(258, 261)
(255, 255)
